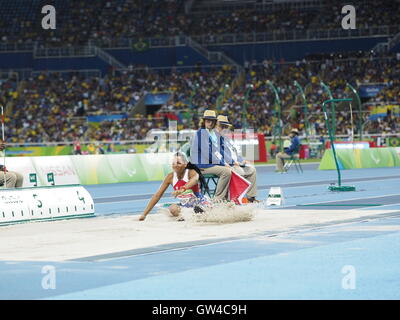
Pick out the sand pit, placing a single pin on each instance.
(73, 239)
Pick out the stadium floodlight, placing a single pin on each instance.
(339, 186)
(329, 92)
(245, 105)
(221, 96)
(194, 90)
(4, 151)
(360, 124)
(305, 108)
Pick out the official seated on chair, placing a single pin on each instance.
(231, 155)
(204, 153)
(289, 151)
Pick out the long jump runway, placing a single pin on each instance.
(306, 249)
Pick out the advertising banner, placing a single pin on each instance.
(370, 90)
(23, 165)
(92, 169)
(110, 117)
(361, 158)
(156, 98)
(61, 167)
(39, 151)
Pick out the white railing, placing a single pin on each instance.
(213, 56)
(295, 35)
(219, 39)
(85, 72)
(16, 47)
(221, 6)
(394, 41)
(256, 37)
(106, 57)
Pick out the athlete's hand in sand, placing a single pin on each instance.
(142, 217)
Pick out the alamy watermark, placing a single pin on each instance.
(228, 144)
(49, 278)
(49, 20)
(349, 20)
(349, 279)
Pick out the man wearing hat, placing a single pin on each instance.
(288, 151)
(11, 179)
(234, 159)
(205, 154)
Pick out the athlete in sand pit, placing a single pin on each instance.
(185, 179)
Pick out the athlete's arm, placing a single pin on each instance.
(157, 196)
(193, 180)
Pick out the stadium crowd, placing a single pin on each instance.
(335, 73)
(52, 107)
(109, 20)
(49, 107)
(43, 104)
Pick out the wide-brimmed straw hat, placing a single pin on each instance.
(209, 115)
(223, 120)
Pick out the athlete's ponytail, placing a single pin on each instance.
(202, 181)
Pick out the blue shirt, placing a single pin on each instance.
(229, 151)
(204, 152)
(294, 146)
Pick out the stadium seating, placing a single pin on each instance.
(104, 21)
(53, 107)
(66, 102)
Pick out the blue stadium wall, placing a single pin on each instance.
(25, 60)
(82, 63)
(16, 60)
(295, 50)
(160, 57)
(156, 58)
(186, 56)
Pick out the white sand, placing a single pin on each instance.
(71, 239)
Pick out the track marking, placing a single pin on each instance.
(210, 242)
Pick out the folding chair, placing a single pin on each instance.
(294, 159)
(211, 182)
